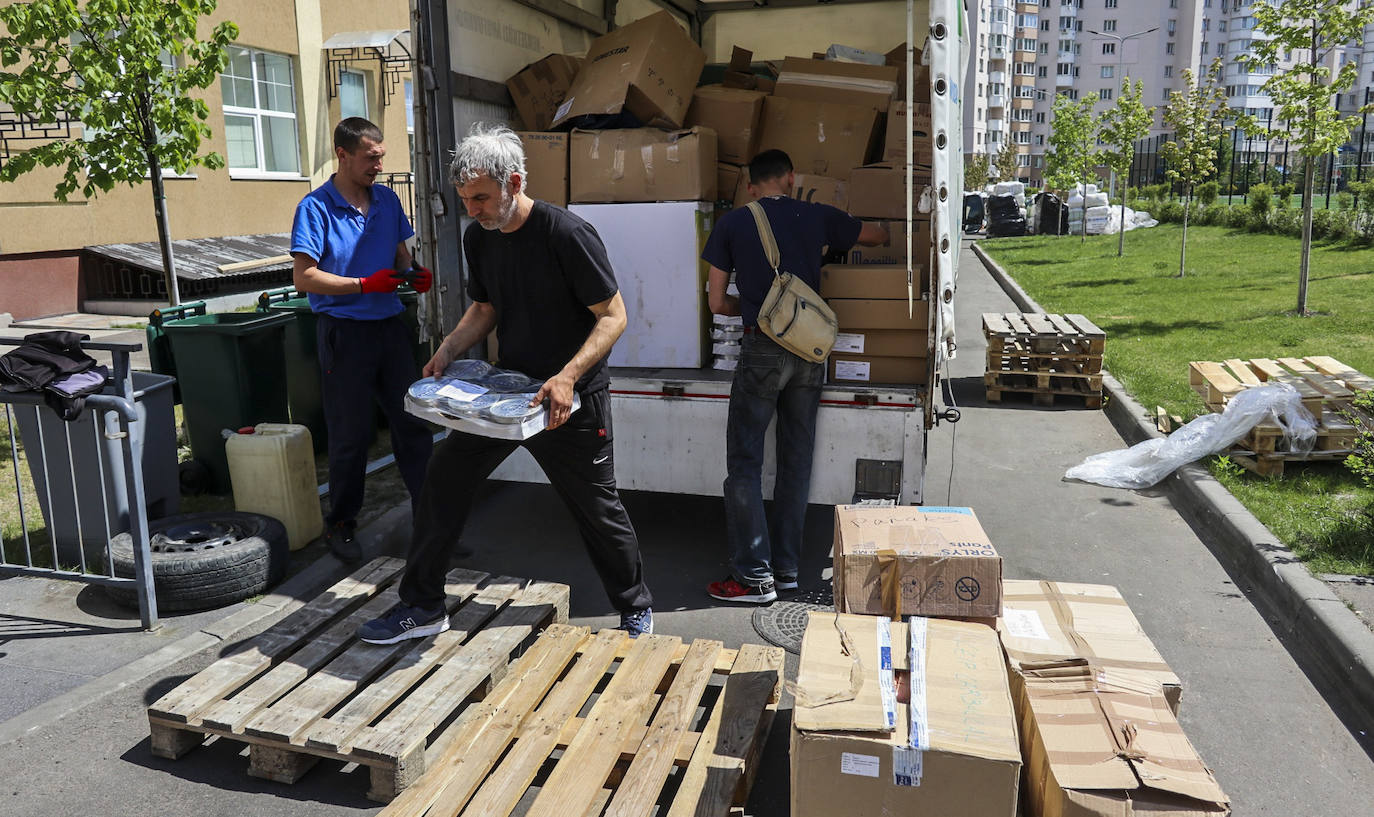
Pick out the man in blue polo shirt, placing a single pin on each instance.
(348, 241)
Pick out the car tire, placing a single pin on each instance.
(204, 560)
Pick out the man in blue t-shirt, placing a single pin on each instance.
(764, 558)
(348, 241)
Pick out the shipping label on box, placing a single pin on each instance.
(857, 314)
(646, 69)
(927, 561)
(642, 165)
(540, 88)
(820, 190)
(546, 166)
(734, 115)
(905, 371)
(821, 138)
(893, 251)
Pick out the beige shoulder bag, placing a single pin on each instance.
(793, 314)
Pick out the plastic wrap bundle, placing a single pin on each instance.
(1005, 217)
(477, 398)
(1096, 200)
(1051, 216)
(726, 334)
(1145, 464)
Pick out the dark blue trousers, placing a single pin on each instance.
(362, 364)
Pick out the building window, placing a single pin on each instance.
(1104, 93)
(260, 112)
(1043, 71)
(1109, 48)
(352, 94)
(1221, 25)
(1173, 24)
(1045, 24)
(409, 87)
(1063, 69)
(1108, 71)
(1040, 118)
(1168, 48)
(1111, 4)
(1109, 25)
(1044, 48)
(1039, 139)
(1205, 47)
(1071, 93)
(1168, 70)
(1173, 4)
(1166, 94)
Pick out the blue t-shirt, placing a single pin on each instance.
(804, 232)
(345, 242)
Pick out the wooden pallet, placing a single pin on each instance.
(1044, 387)
(307, 688)
(1040, 335)
(640, 745)
(1323, 382)
(1272, 464)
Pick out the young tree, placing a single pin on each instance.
(975, 171)
(1310, 30)
(1073, 151)
(1120, 128)
(1007, 171)
(124, 68)
(1197, 114)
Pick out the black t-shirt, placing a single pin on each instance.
(540, 279)
(804, 232)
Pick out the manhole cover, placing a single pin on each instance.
(783, 622)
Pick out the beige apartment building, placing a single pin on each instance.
(296, 69)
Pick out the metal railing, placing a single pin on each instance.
(120, 498)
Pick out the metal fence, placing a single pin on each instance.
(404, 185)
(48, 477)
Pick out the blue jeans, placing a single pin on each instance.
(769, 379)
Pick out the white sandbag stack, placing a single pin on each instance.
(1016, 190)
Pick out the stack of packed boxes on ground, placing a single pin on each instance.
(938, 687)
(633, 143)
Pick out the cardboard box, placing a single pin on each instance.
(894, 250)
(897, 57)
(540, 88)
(742, 194)
(894, 144)
(820, 190)
(883, 343)
(851, 745)
(727, 179)
(1049, 623)
(879, 191)
(870, 281)
(546, 163)
(646, 69)
(863, 313)
(821, 138)
(642, 164)
(877, 369)
(905, 560)
(840, 83)
(1100, 743)
(734, 115)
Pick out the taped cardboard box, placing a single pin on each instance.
(642, 165)
(646, 69)
(540, 87)
(894, 144)
(855, 314)
(893, 251)
(904, 371)
(727, 179)
(852, 748)
(840, 83)
(870, 281)
(734, 115)
(925, 561)
(879, 191)
(546, 165)
(821, 138)
(1102, 743)
(820, 190)
(897, 57)
(1053, 623)
(884, 343)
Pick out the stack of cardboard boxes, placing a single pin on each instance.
(936, 682)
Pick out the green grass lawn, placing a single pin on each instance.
(1237, 300)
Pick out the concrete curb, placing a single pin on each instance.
(1313, 622)
(288, 597)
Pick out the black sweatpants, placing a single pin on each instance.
(362, 363)
(578, 459)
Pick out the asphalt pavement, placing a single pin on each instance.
(1248, 706)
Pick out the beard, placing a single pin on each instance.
(505, 211)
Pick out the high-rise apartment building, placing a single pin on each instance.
(1024, 53)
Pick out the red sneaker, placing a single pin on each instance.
(731, 590)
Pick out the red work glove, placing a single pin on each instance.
(383, 280)
(421, 279)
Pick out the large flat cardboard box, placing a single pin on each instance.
(821, 138)
(642, 165)
(546, 166)
(852, 749)
(856, 314)
(820, 190)
(646, 69)
(1050, 623)
(1102, 743)
(540, 88)
(837, 82)
(894, 144)
(734, 115)
(869, 281)
(882, 342)
(923, 561)
(894, 250)
(879, 191)
(877, 369)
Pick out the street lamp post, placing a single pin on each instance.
(1120, 66)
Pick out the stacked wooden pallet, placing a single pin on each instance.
(1045, 356)
(1325, 384)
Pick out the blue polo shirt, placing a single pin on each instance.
(345, 242)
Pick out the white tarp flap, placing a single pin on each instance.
(948, 59)
(368, 39)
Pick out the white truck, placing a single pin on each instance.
(670, 423)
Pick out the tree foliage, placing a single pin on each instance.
(124, 69)
(975, 171)
(1073, 138)
(1196, 113)
(1120, 127)
(1007, 171)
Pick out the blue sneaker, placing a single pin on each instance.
(638, 622)
(402, 622)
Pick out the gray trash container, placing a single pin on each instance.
(66, 459)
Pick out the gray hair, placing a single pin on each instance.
(493, 151)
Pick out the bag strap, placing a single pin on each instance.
(770, 245)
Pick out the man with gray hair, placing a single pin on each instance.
(540, 277)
